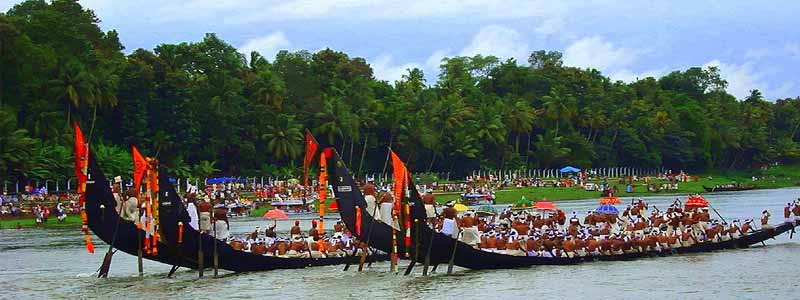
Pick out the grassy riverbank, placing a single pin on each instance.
(30, 222)
(777, 177)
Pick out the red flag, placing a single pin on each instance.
(82, 172)
(311, 149)
(139, 168)
(400, 179)
(81, 157)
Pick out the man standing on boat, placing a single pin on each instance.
(796, 211)
(191, 209)
(430, 201)
(765, 220)
(295, 232)
(387, 205)
(370, 196)
(449, 226)
(205, 209)
(130, 210)
(469, 229)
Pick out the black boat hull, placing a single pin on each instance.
(727, 189)
(442, 246)
(105, 222)
(123, 235)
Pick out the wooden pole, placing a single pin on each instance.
(216, 254)
(139, 254)
(200, 256)
(453, 255)
(369, 238)
(416, 249)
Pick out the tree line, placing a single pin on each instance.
(203, 108)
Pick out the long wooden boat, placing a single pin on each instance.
(123, 235)
(728, 188)
(442, 247)
(106, 223)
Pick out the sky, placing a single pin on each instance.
(756, 45)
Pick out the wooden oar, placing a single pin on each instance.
(720, 216)
(416, 249)
(106, 265)
(369, 239)
(200, 256)
(172, 271)
(216, 254)
(139, 253)
(453, 255)
(427, 262)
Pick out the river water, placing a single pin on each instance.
(52, 264)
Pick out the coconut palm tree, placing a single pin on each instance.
(74, 86)
(15, 145)
(519, 117)
(549, 149)
(284, 138)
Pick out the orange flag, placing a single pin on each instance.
(81, 158)
(400, 174)
(311, 149)
(81, 172)
(139, 168)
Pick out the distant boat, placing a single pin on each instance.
(728, 188)
(292, 205)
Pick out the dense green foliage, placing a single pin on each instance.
(203, 104)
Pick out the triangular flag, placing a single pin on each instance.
(81, 157)
(311, 149)
(139, 168)
(400, 178)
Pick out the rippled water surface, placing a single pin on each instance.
(52, 264)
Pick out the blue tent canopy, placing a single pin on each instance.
(607, 209)
(570, 169)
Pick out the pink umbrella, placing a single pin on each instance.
(275, 214)
(544, 205)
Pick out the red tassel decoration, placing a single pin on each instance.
(180, 232)
(358, 221)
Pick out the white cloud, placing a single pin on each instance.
(267, 45)
(793, 50)
(384, 69)
(595, 52)
(616, 62)
(246, 11)
(744, 77)
(499, 41)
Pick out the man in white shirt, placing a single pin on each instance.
(191, 209)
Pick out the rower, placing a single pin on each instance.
(205, 207)
(449, 222)
(370, 196)
(469, 230)
(295, 231)
(221, 225)
(387, 206)
(746, 227)
(796, 211)
(733, 231)
(787, 213)
(338, 227)
(765, 220)
(430, 201)
(313, 232)
(131, 211)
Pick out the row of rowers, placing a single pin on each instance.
(298, 245)
(525, 233)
